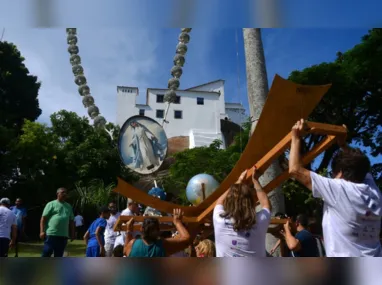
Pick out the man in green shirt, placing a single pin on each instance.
(56, 220)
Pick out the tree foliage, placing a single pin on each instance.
(210, 160)
(18, 101)
(355, 98)
(93, 195)
(70, 152)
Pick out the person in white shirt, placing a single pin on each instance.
(239, 230)
(352, 201)
(110, 234)
(79, 224)
(8, 227)
(131, 210)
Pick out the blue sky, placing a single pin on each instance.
(143, 57)
(196, 13)
(127, 42)
(285, 50)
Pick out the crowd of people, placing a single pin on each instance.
(351, 223)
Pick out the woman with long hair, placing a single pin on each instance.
(151, 244)
(239, 230)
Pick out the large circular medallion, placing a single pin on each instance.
(142, 144)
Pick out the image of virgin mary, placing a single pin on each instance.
(148, 152)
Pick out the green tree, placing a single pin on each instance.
(18, 101)
(94, 194)
(210, 160)
(355, 98)
(86, 152)
(70, 152)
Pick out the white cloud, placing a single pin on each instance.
(109, 57)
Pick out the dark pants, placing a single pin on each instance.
(4, 247)
(54, 244)
(80, 232)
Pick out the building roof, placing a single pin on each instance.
(160, 89)
(189, 89)
(127, 87)
(234, 105)
(193, 91)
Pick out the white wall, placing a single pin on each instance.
(236, 113)
(126, 100)
(202, 117)
(217, 86)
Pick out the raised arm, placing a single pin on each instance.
(296, 169)
(292, 242)
(174, 245)
(261, 195)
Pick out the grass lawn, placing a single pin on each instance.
(76, 248)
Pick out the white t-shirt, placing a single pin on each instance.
(352, 216)
(110, 234)
(79, 221)
(7, 220)
(121, 236)
(240, 244)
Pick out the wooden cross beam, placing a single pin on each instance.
(286, 103)
(166, 222)
(332, 132)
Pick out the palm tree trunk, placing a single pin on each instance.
(257, 88)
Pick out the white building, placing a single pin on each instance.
(197, 114)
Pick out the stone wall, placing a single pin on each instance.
(177, 144)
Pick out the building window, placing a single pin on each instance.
(160, 114)
(178, 114)
(141, 112)
(177, 100)
(160, 98)
(200, 101)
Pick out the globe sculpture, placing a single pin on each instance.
(200, 187)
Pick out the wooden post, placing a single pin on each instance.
(204, 191)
